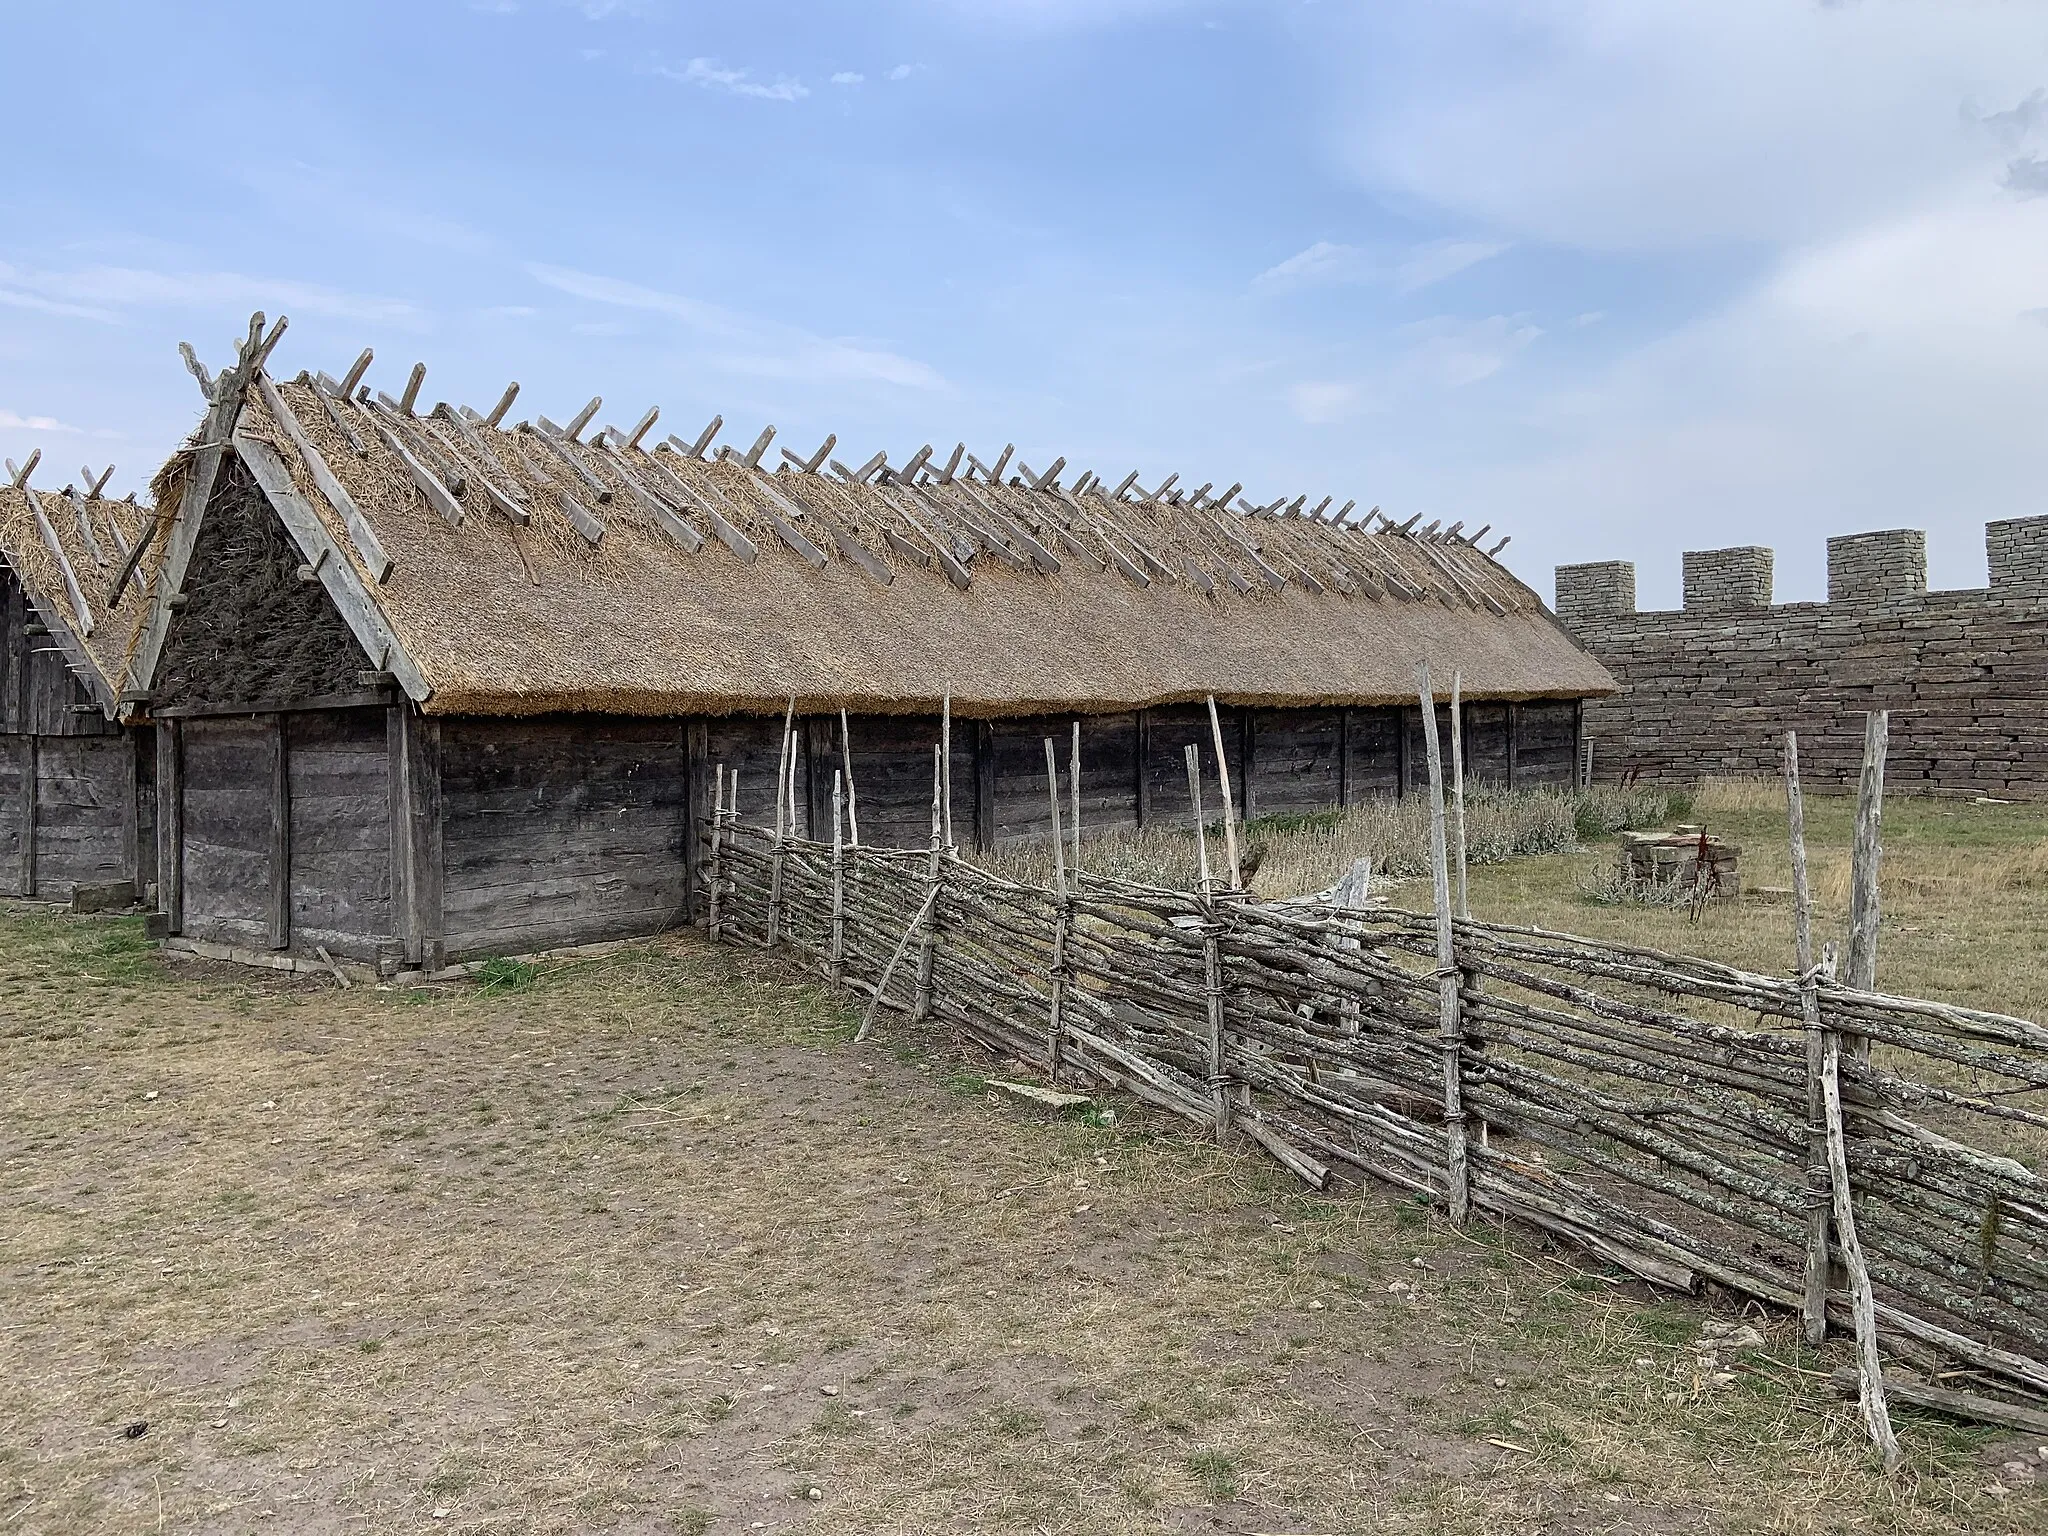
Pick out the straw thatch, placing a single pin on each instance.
(915, 587)
(95, 534)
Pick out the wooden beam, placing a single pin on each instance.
(351, 598)
(357, 369)
(196, 368)
(917, 461)
(1123, 486)
(696, 450)
(437, 495)
(369, 549)
(662, 515)
(952, 464)
(848, 546)
(728, 534)
(1051, 478)
(574, 430)
(868, 470)
(1144, 784)
(411, 396)
(810, 466)
(414, 744)
(591, 530)
(556, 441)
(170, 824)
(505, 501)
(29, 752)
(995, 474)
(645, 424)
(753, 454)
(281, 833)
(81, 610)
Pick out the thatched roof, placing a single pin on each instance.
(65, 547)
(536, 568)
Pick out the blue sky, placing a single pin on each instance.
(1620, 277)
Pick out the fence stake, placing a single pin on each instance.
(1457, 1175)
(916, 926)
(1229, 810)
(1876, 1415)
(1074, 791)
(837, 970)
(1212, 989)
(1192, 755)
(946, 768)
(852, 799)
(1055, 1034)
(1864, 859)
(927, 954)
(783, 775)
(1813, 1309)
(1458, 786)
(717, 867)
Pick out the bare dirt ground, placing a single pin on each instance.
(644, 1244)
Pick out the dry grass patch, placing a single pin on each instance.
(643, 1244)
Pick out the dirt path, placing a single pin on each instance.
(642, 1244)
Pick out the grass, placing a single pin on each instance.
(1300, 854)
(615, 1226)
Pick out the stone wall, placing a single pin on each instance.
(1712, 687)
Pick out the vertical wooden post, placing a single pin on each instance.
(1247, 743)
(1192, 756)
(414, 745)
(1059, 841)
(1144, 777)
(1344, 759)
(928, 947)
(1864, 859)
(946, 769)
(984, 786)
(1813, 1309)
(1458, 786)
(1229, 816)
(1055, 1023)
(1514, 735)
(1401, 763)
(31, 804)
(696, 752)
(170, 824)
(836, 966)
(1457, 1174)
(131, 808)
(783, 759)
(1212, 996)
(1582, 745)
(716, 875)
(852, 796)
(1863, 1304)
(1074, 793)
(280, 832)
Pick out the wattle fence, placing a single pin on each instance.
(1667, 1114)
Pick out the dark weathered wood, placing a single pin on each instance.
(280, 832)
(30, 803)
(697, 807)
(984, 786)
(133, 746)
(340, 836)
(1141, 776)
(170, 825)
(366, 698)
(421, 775)
(227, 768)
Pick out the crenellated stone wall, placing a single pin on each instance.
(1712, 687)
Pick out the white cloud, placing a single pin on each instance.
(1328, 262)
(12, 422)
(1321, 262)
(902, 71)
(98, 293)
(627, 10)
(1052, 15)
(713, 76)
(1644, 123)
(1321, 401)
(755, 347)
(848, 77)
(15, 299)
(1440, 259)
(495, 7)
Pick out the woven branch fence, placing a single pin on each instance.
(1664, 1113)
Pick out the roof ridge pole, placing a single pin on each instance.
(1229, 807)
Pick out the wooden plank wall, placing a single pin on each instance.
(38, 691)
(1297, 760)
(1546, 743)
(229, 768)
(563, 830)
(85, 801)
(339, 802)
